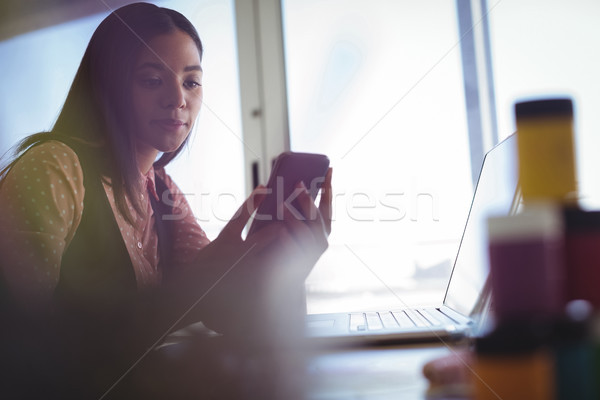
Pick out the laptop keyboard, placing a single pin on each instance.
(420, 318)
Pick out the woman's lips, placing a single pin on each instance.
(170, 124)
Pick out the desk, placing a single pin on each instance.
(372, 373)
(214, 371)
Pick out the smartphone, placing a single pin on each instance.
(289, 169)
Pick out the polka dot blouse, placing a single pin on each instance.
(42, 198)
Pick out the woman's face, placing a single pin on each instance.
(167, 92)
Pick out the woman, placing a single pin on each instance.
(96, 234)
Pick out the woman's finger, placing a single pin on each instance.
(299, 229)
(312, 215)
(239, 220)
(310, 230)
(265, 237)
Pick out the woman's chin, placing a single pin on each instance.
(169, 147)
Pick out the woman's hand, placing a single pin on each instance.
(229, 247)
(287, 241)
(306, 238)
(240, 281)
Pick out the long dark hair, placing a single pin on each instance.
(98, 107)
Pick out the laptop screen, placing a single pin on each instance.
(495, 194)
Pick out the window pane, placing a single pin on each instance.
(378, 87)
(545, 48)
(37, 71)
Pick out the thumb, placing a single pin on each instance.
(239, 220)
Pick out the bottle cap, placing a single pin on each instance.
(582, 220)
(514, 338)
(575, 324)
(545, 107)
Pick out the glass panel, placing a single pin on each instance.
(378, 87)
(38, 69)
(37, 72)
(545, 48)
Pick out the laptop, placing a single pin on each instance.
(463, 309)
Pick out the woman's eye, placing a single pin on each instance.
(192, 84)
(150, 82)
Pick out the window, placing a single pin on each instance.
(378, 87)
(37, 70)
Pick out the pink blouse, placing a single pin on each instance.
(42, 204)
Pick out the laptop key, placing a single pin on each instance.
(403, 319)
(357, 322)
(417, 318)
(441, 316)
(430, 317)
(373, 321)
(388, 320)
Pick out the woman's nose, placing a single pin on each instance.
(173, 97)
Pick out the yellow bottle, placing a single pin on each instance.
(546, 150)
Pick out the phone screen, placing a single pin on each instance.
(290, 169)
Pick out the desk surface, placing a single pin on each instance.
(372, 373)
(391, 372)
